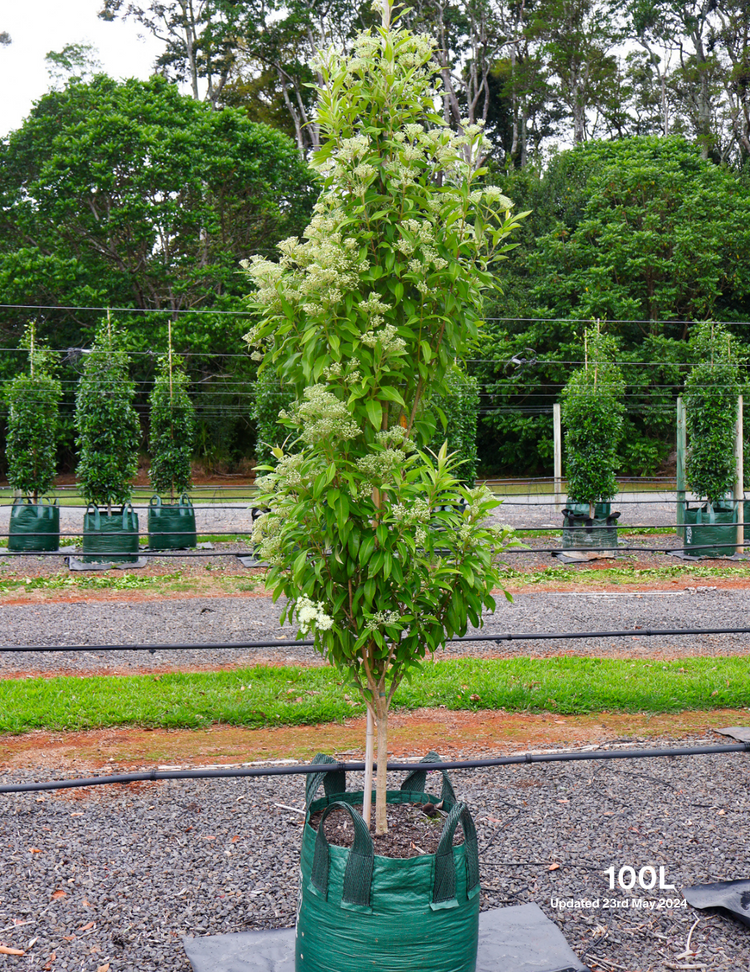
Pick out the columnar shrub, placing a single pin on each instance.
(33, 400)
(592, 413)
(712, 392)
(364, 318)
(106, 423)
(172, 429)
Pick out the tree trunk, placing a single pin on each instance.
(381, 821)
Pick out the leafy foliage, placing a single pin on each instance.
(106, 423)
(364, 319)
(592, 410)
(33, 401)
(172, 429)
(712, 392)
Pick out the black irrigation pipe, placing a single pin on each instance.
(119, 553)
(487, 636)
(306, 770)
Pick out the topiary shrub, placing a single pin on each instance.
(592, 412)
(106, 423)
(172, 429)
(712, 392)
(33, 400)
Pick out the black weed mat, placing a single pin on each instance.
(117, 876)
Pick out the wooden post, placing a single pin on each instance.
(681, 446)
(739, 478)
(557, 435)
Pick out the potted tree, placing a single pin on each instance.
(592, 412)
(171, 525)
(712, 391)
(364, 318)
(33, 400)
(108, 436)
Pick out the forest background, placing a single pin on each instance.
(625, 128)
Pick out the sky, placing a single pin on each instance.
(39, 26)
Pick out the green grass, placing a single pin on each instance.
(265, 696)
(627, 574)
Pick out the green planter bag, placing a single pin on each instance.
(359, 910)
(34, 526)
(110, 537)
(709, 526)
(171, 526)
(581, 530)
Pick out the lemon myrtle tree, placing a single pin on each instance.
(364, 318)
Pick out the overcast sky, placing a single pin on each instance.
(39, 26)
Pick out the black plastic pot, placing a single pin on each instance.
(34, 526)
(110, 537)
(171, 526)
(359, 910)
(582, 530)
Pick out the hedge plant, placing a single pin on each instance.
(712, 391)
(592, 413)
(172, 429)
(33, 401)
(106, 423)
(364, 318)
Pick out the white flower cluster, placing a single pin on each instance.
(386, 339)
(323, 416)
(380, 466)
(381, 618)
(311, 615)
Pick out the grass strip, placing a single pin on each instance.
(269, 696)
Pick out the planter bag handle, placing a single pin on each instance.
(358, 873)
(155, 502)
(129, 513)
(186, 501)
(97, 517)
(416, 781)
(334, 781)
(444, 888)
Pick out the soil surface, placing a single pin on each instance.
(413, 829)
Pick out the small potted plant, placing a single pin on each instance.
(108, 437)
(712, 391)
(363, 318)
(592, 413)
(33, 400)
(171, 524)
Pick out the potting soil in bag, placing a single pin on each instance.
(110, 537)
(709, 526)
(34, 526)
(581, 530)
(171, 525)
(359, 910)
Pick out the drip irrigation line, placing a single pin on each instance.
(308, 769)
(466, 639)
(187, 554)
(670, 550)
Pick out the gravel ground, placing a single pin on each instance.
(115, 876)
(233, 619)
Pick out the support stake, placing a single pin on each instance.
(739, 478)
(557, 435)
(681, 446)
(367, 798)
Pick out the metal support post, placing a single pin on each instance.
(557, 435)
(739, 478)
(681, 446)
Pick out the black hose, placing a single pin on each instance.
(488, 636)
(306, 769)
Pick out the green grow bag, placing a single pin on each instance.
(581, 530)
(171, 526)
(34, 526)
(709, 526)
(361, 911)
(110, 538)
